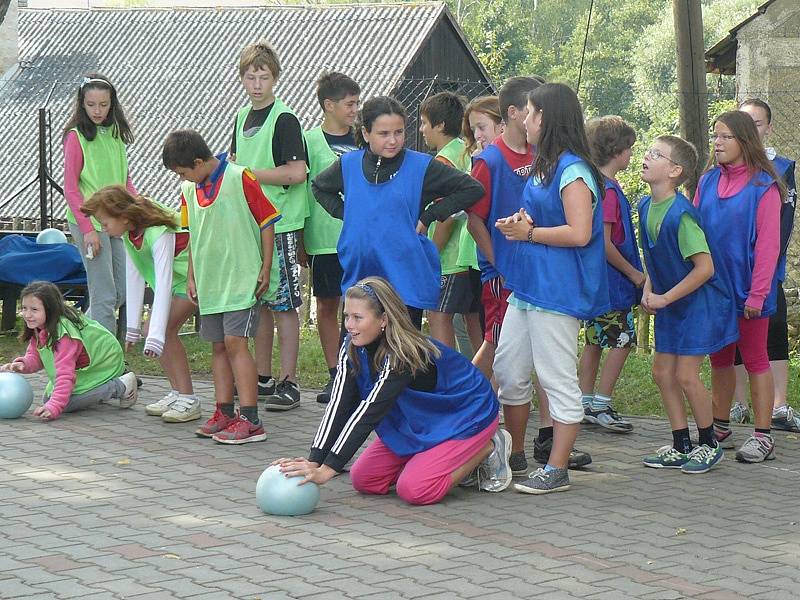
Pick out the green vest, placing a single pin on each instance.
(106, 360)
(226, 247)
(467, 249)
(256, 153)
(321, 231)
(453, 152)
(105, 162)
(142, 258)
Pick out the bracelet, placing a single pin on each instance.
(530, 234)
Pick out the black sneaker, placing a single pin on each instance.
(325, 395)
(286, 396)
(519, 464)
(541, 452)
(266, 389)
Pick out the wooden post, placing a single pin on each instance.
(692, 92)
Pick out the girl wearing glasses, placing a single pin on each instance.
(739, 198)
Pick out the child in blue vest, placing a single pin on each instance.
(384, 195)
(268, 140)
(434, 413)
(338, 96)
(231, 242)
(557, 275)
(739, 198)
(610, 140)
(783, 417)
(694, 314)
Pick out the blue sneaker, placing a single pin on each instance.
(666, 457)
(701, 459)
(785, 419)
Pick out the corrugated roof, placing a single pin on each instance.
(178, 68)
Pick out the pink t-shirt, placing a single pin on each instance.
(613, 216)
(768, 230)
(73, 165)
(69, 356)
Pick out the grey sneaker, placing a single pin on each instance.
(739, 413)
(724, 439)
(785, 419)
(608, 419)
(518, 464)
(544, 482)
(495, 472)
(156, 409)
(471, 480)
(131, 393)
(286, 397)
(757, 448)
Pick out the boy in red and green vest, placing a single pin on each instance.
(338, 97)
(441, 116)
(268, 140)
(231, 242)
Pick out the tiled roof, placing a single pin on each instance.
(178, 68)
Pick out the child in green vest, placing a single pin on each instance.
(83, 360)
(441, 116)
(338, 96)
(232, 237)
(268, 139)
(158, 256)
(95, 142)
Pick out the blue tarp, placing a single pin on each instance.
(22, 260)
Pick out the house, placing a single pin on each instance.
(177, 67)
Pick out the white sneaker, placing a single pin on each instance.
(156, 409)
(183, 409)
(131, 394)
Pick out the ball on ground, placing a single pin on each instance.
(277, 494)
(16, 395)
(51, 236)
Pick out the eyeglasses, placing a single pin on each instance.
(719, 136)
(654, 154)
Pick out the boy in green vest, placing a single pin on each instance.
(338, 97)
(441, 116)
(268, 140)
(231, 242)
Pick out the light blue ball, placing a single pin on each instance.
(51, 236)
(277, 494)
(16, 395)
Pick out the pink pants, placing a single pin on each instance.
(422, 478)
(752, 345)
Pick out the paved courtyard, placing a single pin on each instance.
(115, 504)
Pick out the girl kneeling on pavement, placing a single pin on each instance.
(434, 413)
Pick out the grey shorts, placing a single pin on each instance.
(239, 323)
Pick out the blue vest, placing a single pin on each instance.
(462, 405)
(701, 322)
(379, 234)
(730, 226)
(507, 189)
(573, 281)
(621, 289)
(785, 169)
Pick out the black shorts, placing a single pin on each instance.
(326, 275)
(778, 334)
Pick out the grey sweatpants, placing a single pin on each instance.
(105, 275)
(113, 388)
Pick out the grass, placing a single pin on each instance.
(635, 393)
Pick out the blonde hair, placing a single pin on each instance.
(488, 105)
(118, 202)
(260, 55)
(403, 346)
